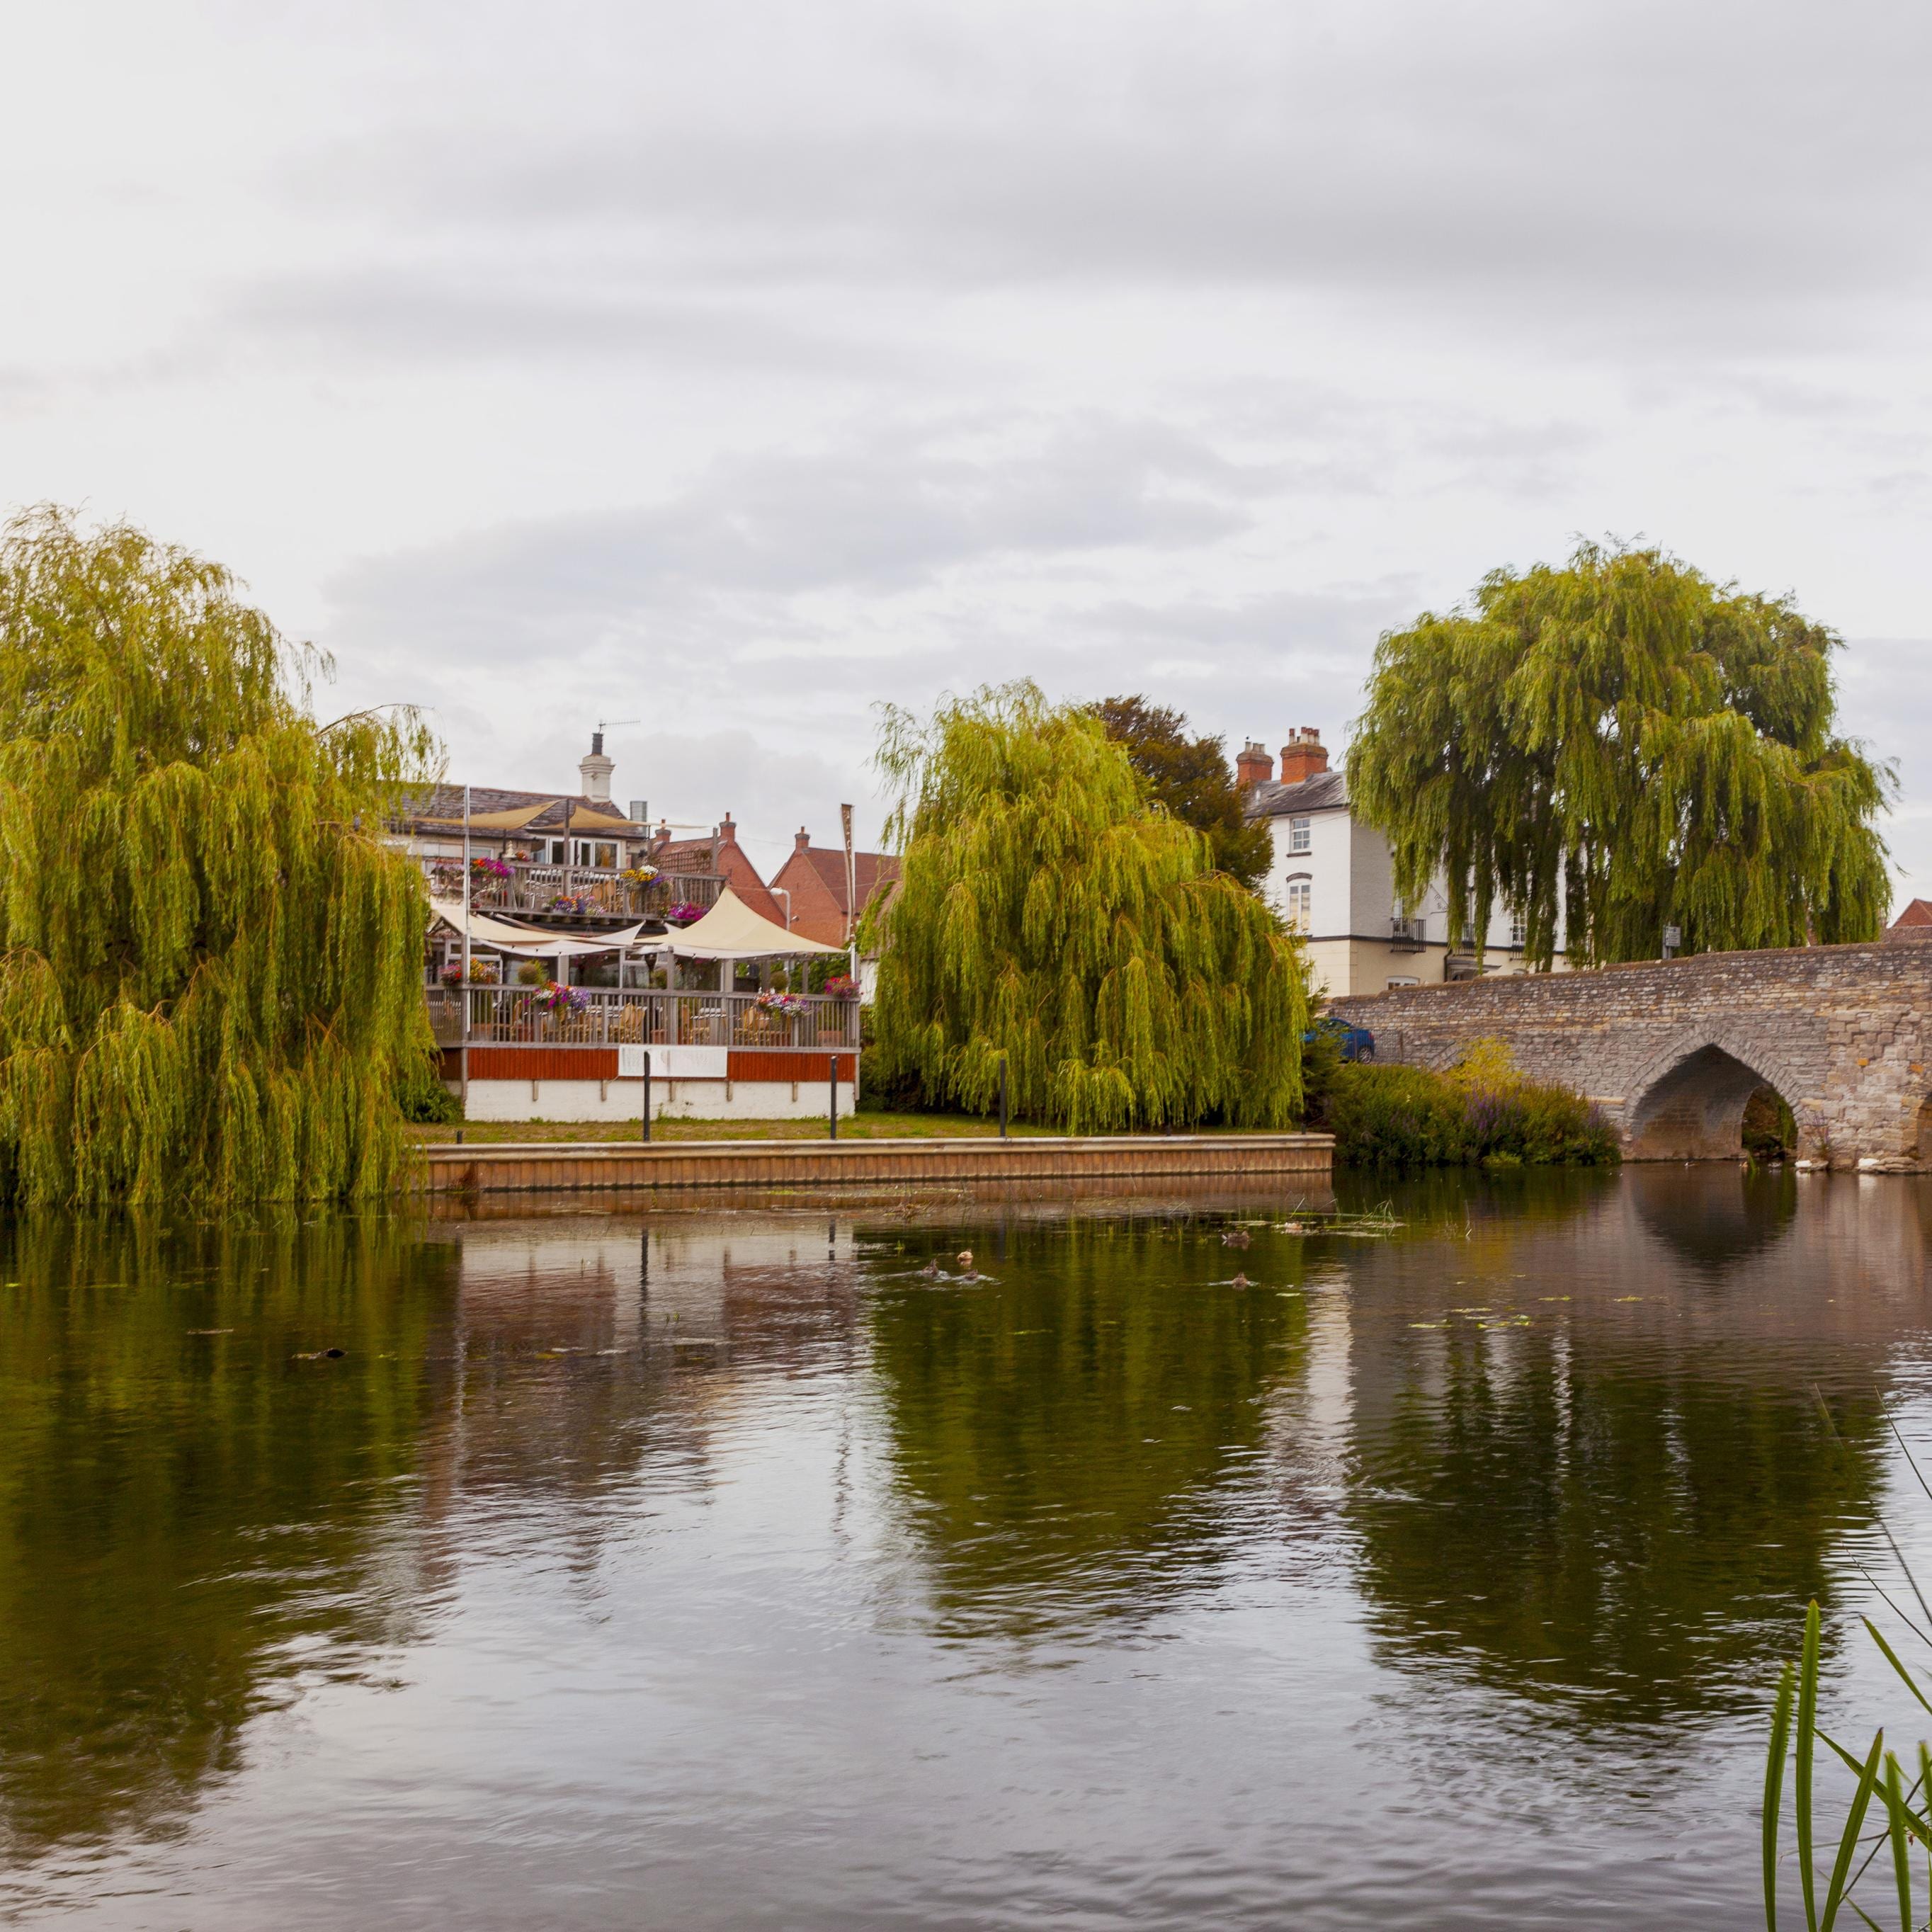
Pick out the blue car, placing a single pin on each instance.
(1356, 1042)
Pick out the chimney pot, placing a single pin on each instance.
(1254, 767)
(1303, 757)
(594, 770)
(803, 842)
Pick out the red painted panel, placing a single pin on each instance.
(543, 1063)
(751, 1064)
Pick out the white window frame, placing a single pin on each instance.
(1299, 885)
(1300, 835)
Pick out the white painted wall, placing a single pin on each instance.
(671, 1099)
(1351, 875)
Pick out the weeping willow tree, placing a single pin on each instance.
(210, 965)
(1050, 915)
(1618, 746)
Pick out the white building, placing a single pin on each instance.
(1332, 879)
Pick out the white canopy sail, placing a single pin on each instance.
(731, 930)
(530, 942)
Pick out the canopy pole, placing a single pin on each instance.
(464, 991)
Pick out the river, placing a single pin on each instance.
(721, 1567)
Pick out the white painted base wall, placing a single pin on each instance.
(671, 1099)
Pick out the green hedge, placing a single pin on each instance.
(1408, 1117)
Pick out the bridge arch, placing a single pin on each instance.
(1686, 1100)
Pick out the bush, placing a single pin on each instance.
(423, 1098)
(899, 1090)
(1483, 1112)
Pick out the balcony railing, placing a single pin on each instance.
(1408, 935)
(573, 892)
(516, 1016)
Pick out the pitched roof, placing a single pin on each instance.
(814, 877)
(1323, 792)
(499, 809)
(870, 870)
(1919, 912)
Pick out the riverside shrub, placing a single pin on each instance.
(1481, 1112)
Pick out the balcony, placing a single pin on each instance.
(1408, 935)
(574, 895)
(522, 1016)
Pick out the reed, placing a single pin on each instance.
(1906, 1826)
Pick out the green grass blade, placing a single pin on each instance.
(1774, 1789)
(1901, 1846)
(1848, 1839)
(1801, 1795)
(1891, 1657)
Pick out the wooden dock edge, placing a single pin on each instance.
(559, 1167)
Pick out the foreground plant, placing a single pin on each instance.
(1050, 915)
(210, 964)
(1878, 1774)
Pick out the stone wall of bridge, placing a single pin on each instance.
(1672, 1050)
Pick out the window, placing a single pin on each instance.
(1407, 980)
(1300, 893)
(1300, 834)
(607, 857)
(1519, 932)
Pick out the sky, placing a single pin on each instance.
(722, 372)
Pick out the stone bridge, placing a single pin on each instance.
(1672, 1050)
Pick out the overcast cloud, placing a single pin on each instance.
(729, 369)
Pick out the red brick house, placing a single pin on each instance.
(814, 877)
(722, 855)
(1914, 923)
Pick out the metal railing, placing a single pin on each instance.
(573, 892)
(523, 1016)
(1408, 935)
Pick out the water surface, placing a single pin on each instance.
(721, 1567)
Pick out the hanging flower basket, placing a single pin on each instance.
(640, 875)
(559, 1000)
(570, 902)
(841, 986)
(494, 870)
(684, 913)
(783, 1006)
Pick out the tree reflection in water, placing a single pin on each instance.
(186, 1517)
(1619, 1503)
(1063, 1433)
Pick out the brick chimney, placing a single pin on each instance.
(802, 843)
(595, 768)
(1302, 756)
(1253, 767)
